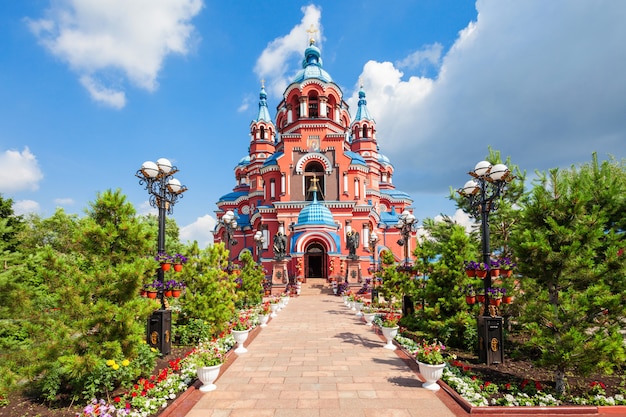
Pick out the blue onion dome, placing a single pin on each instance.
(316, 213)
(244, 161)
(264, 112)
(312, 65)
(362, 113)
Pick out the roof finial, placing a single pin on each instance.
(311, 31)
(262, 83)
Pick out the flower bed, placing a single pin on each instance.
(480, 392)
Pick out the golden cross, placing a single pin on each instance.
(311, 31)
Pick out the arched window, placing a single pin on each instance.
(364, 131)
(313, 175)
(262, 133)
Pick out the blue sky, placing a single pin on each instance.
(91, 89)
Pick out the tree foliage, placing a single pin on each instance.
(568, 243)
(210, 294)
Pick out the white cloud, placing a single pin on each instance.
(64, 201)
(430, 55)
(273, 66)
(201, 231)
(98, 39)
(107, 96)
(546, 91)
(25, 207)
(20, 171)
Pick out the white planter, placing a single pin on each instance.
(389, 333)
(207, 375)
(275, 308)
(432, 374)
(369, 318)
(240, 337)
(358, 306)
(264, 319)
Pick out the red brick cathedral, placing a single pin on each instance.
(314, 193)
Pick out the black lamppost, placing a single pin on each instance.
(259, 240)
(406, 223)
(373, 241)
(483, 191)
(164, 191)
(230, 224)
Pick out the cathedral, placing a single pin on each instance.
(314, 197)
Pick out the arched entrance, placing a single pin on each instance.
(315, 263)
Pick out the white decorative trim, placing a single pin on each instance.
(313, 156)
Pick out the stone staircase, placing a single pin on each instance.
(316, 286)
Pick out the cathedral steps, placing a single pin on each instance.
(316, 286)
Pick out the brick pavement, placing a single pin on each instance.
(316, 358)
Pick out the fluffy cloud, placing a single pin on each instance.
(546, 91)
(272, 64)
(20, 171)
(25, 207)
(201, 231)
(105, 41)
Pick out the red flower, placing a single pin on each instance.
(134, 393)
(507, 386)
(117, 399)
(538, 386)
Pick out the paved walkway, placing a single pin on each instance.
(316, 358)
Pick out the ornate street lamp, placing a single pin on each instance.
(406, 224)
(164, 190)
(373, 241)
(259, 240)
(483, 190)
(230, 224)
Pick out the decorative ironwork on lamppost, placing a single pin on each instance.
(259, 240)
(373, 241)
(406, 224)
(230, 224)
(483, 190)
(164, 190)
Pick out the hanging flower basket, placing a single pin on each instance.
(506, 273)
(178, 267)
(495, 301)
(481, 273)
(470, 273)
(495, 272)
(507, 299)
(166, 266)
(470, 300)
(167, 293)
(481, 298)
(152, 294)
(176, 293)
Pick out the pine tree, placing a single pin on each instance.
(568, 243)
(210, 290)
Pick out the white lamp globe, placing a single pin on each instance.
(174, 185)
(228, 216)
(164, 165)
(373, 237)
(233, 224)
(470, 187)
(150, 169)
(498, 172)
(482, 168)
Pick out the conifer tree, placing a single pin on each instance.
(250, 292)
(210, 290)
(568, 242)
